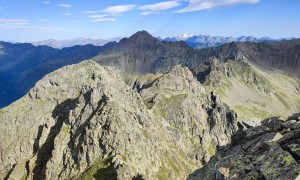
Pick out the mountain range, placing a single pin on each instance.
(22, 65)
(195, 41)
(59, 44)
(206, 41)
(144, 108)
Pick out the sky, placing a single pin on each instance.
(33, 20)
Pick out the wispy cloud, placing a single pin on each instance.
(47, 2)
(65, 5)
(102, 18)
(13, 22)
(67, 14)
(119, 9)
(197, 5)
(16, 24)
(160, 6)
(146, 13)
(89, 12)
(43, 20)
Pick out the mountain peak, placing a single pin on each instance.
(142, 33)
(140, 39)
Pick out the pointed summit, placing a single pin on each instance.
(141, 39)
(142, 34)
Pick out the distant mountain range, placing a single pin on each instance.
(195, 41)
(182, 113)
(254, 79)
(22, 65)
(204, 41)
(73, 42)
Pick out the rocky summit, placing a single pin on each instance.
(268, 151)
(84, 122)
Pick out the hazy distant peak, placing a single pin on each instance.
(75, 41)
(184, 37)
(206, 41)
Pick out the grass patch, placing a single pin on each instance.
(251, 112)
(101, 169)
(282, 98)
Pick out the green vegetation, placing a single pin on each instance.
(101, 169)
(288, 160)
(251, 111)
(212, 148)
(173, 100)
(282, 98)
(161, 111)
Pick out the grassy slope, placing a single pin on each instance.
(248, 102)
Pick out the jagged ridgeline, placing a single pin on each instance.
(149, 109)
(257, 80)
(84, 122)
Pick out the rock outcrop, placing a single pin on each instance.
(253, 93)
(84, 122)
(195, 117)
(268, 151)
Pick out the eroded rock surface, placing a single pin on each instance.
(268, 151)
(84, 122)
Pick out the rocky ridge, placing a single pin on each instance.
(84, 122)
(195, 118)
(268, 151)
(251, 92)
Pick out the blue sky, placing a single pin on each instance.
(32, 20)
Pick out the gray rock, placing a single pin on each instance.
(84, 122)
(265, 155)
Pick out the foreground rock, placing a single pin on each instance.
(84, 122)
(195, 118)
(268, 151)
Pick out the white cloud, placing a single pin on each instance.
(102, 18)
(65, 5)
(89, 12)
(146, 13)
(160, 6)
(13, 22)
(43, 20)
(67, 14)
(46, 2)
(197, 5)
(119, 9)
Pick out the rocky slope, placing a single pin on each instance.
(22, 65)
(142, 53)
(245, 75)
(84, 122)
(137, 55)
(250, 89)
(251, 92)
(268, 151)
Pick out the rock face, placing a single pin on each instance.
(268, 151)
(250, 91)
(195, 118)
(84, 122)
